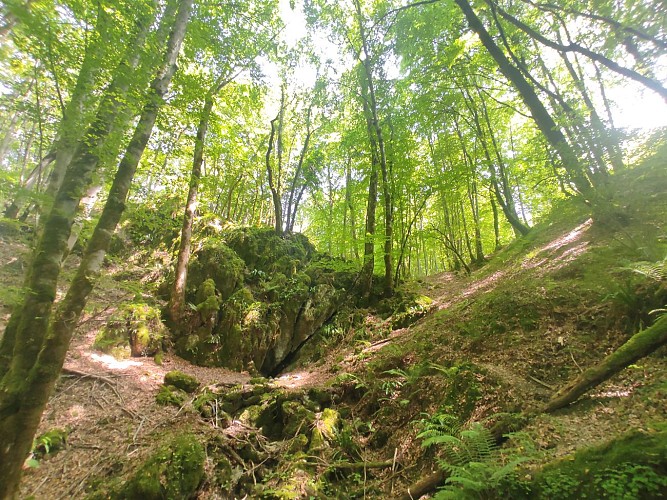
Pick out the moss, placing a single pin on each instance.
(219, 264)
(181, 380)
(296, 417)
(169, 395)
(324, 430)
(173, 472)
(633, 466)
(251, 415)
(208, 406)
(136, 328)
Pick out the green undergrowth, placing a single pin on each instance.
(174, 471)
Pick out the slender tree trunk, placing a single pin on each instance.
(275, 194)
(376, 129)
(542, 118)
(72, 124)
(496, 221)
(177, 302)
(29, 376)
(348, 203)
(289, 225)
(504, 196)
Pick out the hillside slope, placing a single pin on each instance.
(491, 347)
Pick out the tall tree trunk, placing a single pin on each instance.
(275, 194)
(289, 224)
(499, 178)
(72, 124)
(177, 301)
(376, 129)
(348, 203)
(371, 207)
(496, 221)
(48, 254)
(542, 118)
(29, 376)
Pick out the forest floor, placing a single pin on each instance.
(534, 317)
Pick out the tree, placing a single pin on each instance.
(35, 348)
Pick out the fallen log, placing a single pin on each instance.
(638, 346)
(424, 485)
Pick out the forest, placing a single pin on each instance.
(333, 249)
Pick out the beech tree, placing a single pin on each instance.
(34, 344)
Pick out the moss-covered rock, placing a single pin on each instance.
(208, 406)
(256, 306)
(173, 472)
(135, 329)
(219, 263)
(324, 430)
(181, 380)
(297, 418)
(170, 395)
(633, 466)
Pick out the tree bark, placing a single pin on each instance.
(72, 124)
(275, 195)
(638, 346)
(542, 118)
(376, 129)
(177, 302)
(39, 348)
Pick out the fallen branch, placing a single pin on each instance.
(424, 485)
(543, 384)
(77, 373)
(640, 345)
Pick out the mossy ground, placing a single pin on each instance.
(494, 345)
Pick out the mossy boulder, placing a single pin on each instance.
(297, 419)
(256, 303)
(265, 250)
(169, 395)
(134, 330)
(219, 263)
(173, 472)
(181, 380)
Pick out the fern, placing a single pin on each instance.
(656, 271)
(470, 457)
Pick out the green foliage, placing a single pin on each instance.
(181, 380)
(154, 222)
(174, 471)
(632, 466)
(50, 442)
(134, 329)
(171, 396)
(469, 457)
